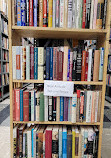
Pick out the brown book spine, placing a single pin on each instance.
(99, 106)
(77, 145)
(40, 13)
(60, 66)
(96, 65)
(26, 106)
(83, 65)
(40, 145)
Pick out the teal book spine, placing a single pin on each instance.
(61, 108)
(36, 63)
(21, 105)
(64, 144)
(101, 64)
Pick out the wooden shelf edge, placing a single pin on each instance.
(75, 82)
(60, 123)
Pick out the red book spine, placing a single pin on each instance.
(60, 66)
(44, 13)
(83, 65)
(48, 144)
(86, 66)
(31, 13)
(84, 14)
(17, 104)
(14, 113)
(26, 106)
(31, 62)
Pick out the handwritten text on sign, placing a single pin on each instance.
(58, 88)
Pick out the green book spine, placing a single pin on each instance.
(41, 116)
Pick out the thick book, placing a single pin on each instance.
(74, 104)
(36, 63)
(55, 142)
(41, 115)
(29, 151)
(31, 62)
(48, 142)
(41, 13)
(46, 108)
(44, 13)
(51, 63)
(96, 65)
(64, 141)
(89, 65)
(54, 63)
(26, 105)
(74, 64)
(18, 12)
(83, 65)
(66, 101)
(21, 104)
(23, 13)
(50, 13)
(27, 62)
(40, 142)
(101, 66)
(65, 63)
(18, 66)
(17, 104)
(31, 23)
(69, 20)
(35, 12)
(84, 14)
(61, 108)
(50, 114)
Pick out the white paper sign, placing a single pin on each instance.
(58, 88)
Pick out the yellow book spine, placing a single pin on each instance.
(73, 144)
(50, 13)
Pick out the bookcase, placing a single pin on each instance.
(102, 37)
(4, 57)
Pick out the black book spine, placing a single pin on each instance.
(20, 144)
(27, 12)
(105, 12)
(50, 116)
(74, 64)
(29, 106)
(88, 11)
(25, 145)
(69, 145)
(54, 108)
(54, 147)
(79, 65)
(95, 145)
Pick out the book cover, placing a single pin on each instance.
(48, 142)
(74, 104)
(44, 13)
(47, 63)
(96, 65)
(69, 21)
(21, 104)
(57, 13)
(74, 64)
(31, 13)
(27, 62)
(41, 115)
(35, 12)
(17, 104)
(89, 65)
(18, 12)
(64, 142)
(36, 63)
(60, 141)
(41, 13)
(65, 63)
(18, 66)
(61, 13)
(14, 62)
(55, 142)
(50, 13)
(84, 14)
(68, 67)
(23, 13)
(25, 105)
(101, 64)
(66, 101)
(31, 62)
(54, 101)
(50, 114)
(83, 65)
(51, 63)
(61, 108)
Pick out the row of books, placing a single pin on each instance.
(4, 6)
(108, 79)
(59, 13)
(32, 105)
(4, 26)
(55, 141)
(5, 43)
(5, 67)
(57, 63)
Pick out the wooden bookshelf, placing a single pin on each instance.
(102, 36)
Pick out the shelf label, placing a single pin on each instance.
(58, 88)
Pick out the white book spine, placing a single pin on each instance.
(61, 13)
(40, 56)
(92, 14)
(74, 14)
(74, 104)
(89, 65)
(60, 142)
(23, 144)
(70, 109)
(29, 144)
(21, 60)
(69, 14)
(14, 61)
(95, 14)
(27, 62)
(54, 13)
(88, 106)
(65, 12)
(34, 140)
(96, 106)
(46, 108)
(40, 73)
(77, 14)
(32, 105)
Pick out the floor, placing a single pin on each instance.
(5, 130)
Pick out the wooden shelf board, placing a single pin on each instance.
(56, 123)
(75, 82)
(50, 32)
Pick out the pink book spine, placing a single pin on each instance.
(71, 66)
(17, 104)
(95, 13)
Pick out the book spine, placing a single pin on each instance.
(44, 13)
(29, 106)
(51, 63)
(40, 144)
(96, 106)
(21, 62)
(48, 142)
(27, 12)
(71, 66)
(54, 109)
(47, 63)
(54, 63)
(89, 65)
(41, 115)
(57, 14)
(54, 144)
(60, 65)
(99, 106)
(77, 13)
(26, 106)
(46, 108)
(64, 144)
(29, 144)
(20, 143)
(14, 62)
(79, 65)
(101, 64)
(23, 144)
(18, 70)
(21, 105)
(27, 62)
(31, 62)
(23, 70)
(58, 109)
(74, 65)
(70, 109)
(32, 143)
(32, 105)
(104, 16)
(61, 13)
(35, 12)
(76, 144)
(65, 13)
(17, 104)
(54, 14)
(69, 25)
(73, 144)
(50, 114)
(50, 13)
(66, 99)
(78, 105)
(35, 63)
(74, 104)
(95, 14)
(80, 13)
(40, 56)
(83, 65)
(100, 14)
(69, 145)
(86, 66)
(88, 106)
(38, 107)
(81, 113)
(61, 109)
(23, 14)
(14, 110)
(34, 140)
(92, 14)
(84, 14)
(14, 143)
(31, 13)
(18, 12)
(41, 13)
(60, 144)
(40, 73)
(65, 63)
(68, 69)
(47, 11)
(96, 65)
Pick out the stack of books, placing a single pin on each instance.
(59, 13)
(55, 141)
(32, 105)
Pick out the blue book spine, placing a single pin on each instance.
(35, 12)
(64, 144)
(18, 13)
(23, 13)
(61, 108)
(51, 63)
(47, 63)
(68, 69)
(36, 63)
(21, 105)
(32, 142)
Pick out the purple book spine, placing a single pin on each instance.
(68, 67)
(35, 12)
(66, 100)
